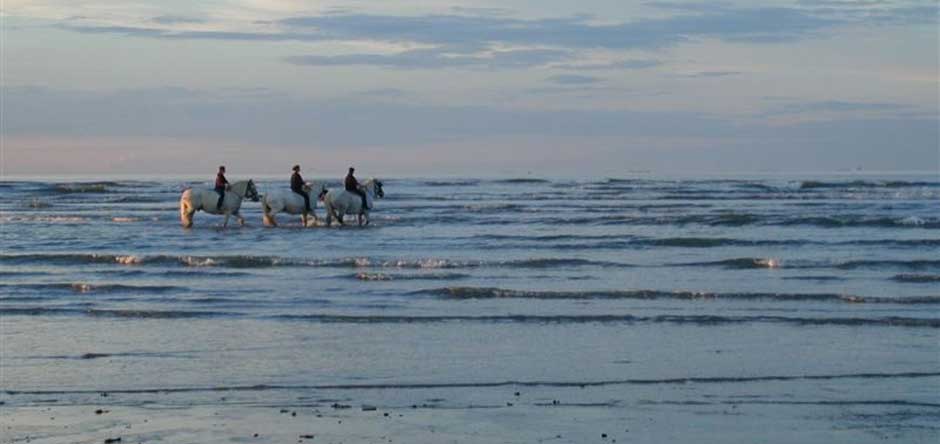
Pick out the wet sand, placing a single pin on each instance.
(488, 415)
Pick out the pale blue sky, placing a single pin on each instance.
(429, 87)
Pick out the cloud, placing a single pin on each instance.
(842, 3)
(616, 65)
(438, 58)
(836, 106)
(486, 30)
(492, 39)
(689, 6)
(878, 12)
(712, 74)
(573, 79)
(176, 19)
(481, 11)
(575, 32)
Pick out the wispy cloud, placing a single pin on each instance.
(573, 79)
(712, 74)
(439, 58)
(494, 39)
(176, 19)
(616, 65)
(478, 30)
(577, 32)
(835, 106)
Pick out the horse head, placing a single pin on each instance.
(375, 186)
(251, 192)
(378, 189)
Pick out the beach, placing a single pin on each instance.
(732, 309)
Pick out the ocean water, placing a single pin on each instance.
(813, 300)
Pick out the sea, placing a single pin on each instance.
(751, 308)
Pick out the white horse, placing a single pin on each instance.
(205, 199)
(340, 202)
(290, 202)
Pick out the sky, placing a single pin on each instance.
(593, 88)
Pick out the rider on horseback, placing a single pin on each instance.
(297, 186)
(221, 184)
(352, 185)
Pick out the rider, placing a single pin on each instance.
(221, 184)
(297, 186)
(352, 185)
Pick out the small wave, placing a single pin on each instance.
(102, 258)
(493, 208)
(913, 264)
(703, 242)
(501, 293)
(451, 183)
(140, 314)
(10, 273)
(706, 320)
(43, 219)
(815, 278)
(746, 219)
(364, 276)
(917, 278)
(247, 261)
(759, 263)
(85, 287)
(37, 204)
(560, 262)
(521, 180)
(509, 383)
(126, 219)
(859, 221)
(891, 321)
(743, 263)
(812, 184)
(84, 187)
(154, 314)
(615, 180)
(136, 198)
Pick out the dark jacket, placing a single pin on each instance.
(220, 181)
(351, 183)
(296, 182)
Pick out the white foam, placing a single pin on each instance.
(128, 260)
(82, 287)
(913, 220)
(198, 261)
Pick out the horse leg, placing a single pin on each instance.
(332, 211)
(225, 222)
(241, 220)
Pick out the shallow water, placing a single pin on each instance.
(823, 292)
